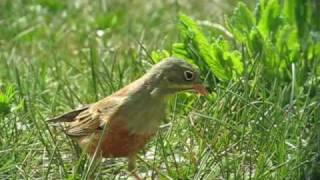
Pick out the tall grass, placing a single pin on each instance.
(260, 120)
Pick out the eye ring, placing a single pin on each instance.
(188, 75)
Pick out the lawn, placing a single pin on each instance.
(260, 61)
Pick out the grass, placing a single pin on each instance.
(57, 55)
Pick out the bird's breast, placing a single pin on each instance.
(120, 141)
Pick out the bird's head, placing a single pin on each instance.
(173, 75)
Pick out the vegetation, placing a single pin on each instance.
(261, 63)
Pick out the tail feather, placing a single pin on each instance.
(69, 116)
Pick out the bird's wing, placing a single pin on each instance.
(69, 116)
(84, 121)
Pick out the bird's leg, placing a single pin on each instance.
(132, 167)
(132, 163)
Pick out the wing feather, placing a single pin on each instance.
(84, 121)
(69, 116)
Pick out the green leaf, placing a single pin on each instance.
(196, 42)
(287, 42)
(236, 59)
(6, 100)
(289, 11)
(158, 55)
(179, 50)
(53, 5)
(231, 59)
(255, 43)
(241, 22)
(270, 17)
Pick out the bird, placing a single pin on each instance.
(120, 125)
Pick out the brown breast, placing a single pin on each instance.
(117, 142)
(120, 142)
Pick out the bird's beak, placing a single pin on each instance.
(200, 88)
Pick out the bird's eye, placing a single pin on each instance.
(188, 75)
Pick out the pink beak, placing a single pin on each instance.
(201, 89)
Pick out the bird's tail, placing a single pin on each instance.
(69, 116)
